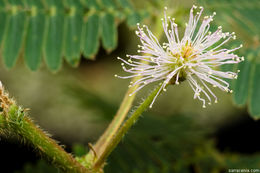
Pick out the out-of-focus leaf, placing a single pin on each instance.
(228, 67)
(2, 19)
(241, 85)
(133, 18)
(242, 17)
(40, 167)
(125, 3)
(158, 145)
(14, 33)
(93, 4)
(89, 100)
(246, 162)
(109, 4)
(109, 32)
(34, 35)
(54, 39)
(91, 32)
(254, 99)
(73, 26)
(173, 144)
(58, 29)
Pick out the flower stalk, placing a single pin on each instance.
(125, 127)
(123, 110)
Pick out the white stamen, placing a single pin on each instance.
(196, 57)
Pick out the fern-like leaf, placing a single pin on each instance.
(243, 18)
(54, 29)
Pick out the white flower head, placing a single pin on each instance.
(195, 58)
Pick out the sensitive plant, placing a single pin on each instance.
(196, 58)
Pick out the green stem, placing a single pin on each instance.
(117, 121)
(124, 128)
(123, 110)
(16, 122)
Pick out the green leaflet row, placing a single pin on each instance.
(247, 86)
(57, 29)
(243, 18)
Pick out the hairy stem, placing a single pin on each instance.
(14, 121)
(124, 128)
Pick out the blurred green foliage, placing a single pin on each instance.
(54, 28)
(242, 17)
(87, 99)
(166, 145)
(40, 167)
(169, 144)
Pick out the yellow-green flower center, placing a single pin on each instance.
(186, 54)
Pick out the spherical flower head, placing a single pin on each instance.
(195, 58)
